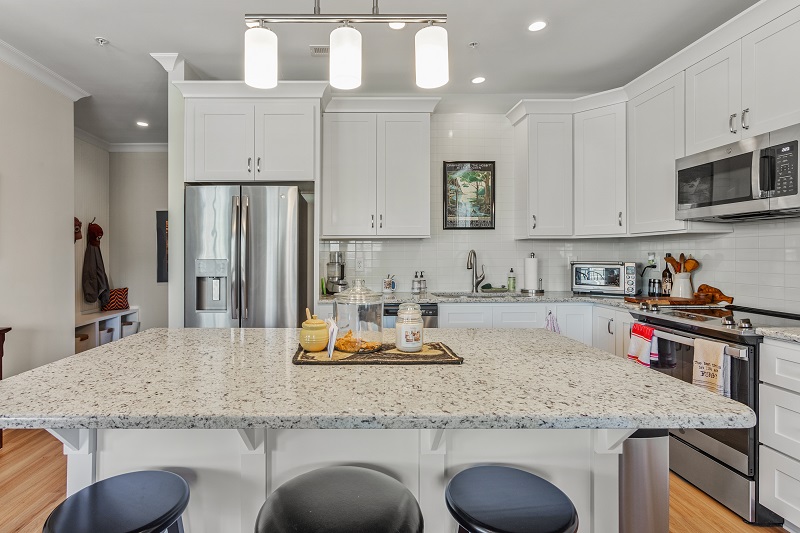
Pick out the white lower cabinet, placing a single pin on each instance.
(623, 324)
(575, 320)
(519, 315)
(779, 482)
(603, 329)
(465, 316)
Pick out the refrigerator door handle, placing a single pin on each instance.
(235, 208)
(243, 249)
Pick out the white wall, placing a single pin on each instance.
(138, 189)
(36, 209)
(91, 201)
(758, 264)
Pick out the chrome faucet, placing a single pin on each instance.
(472, 264)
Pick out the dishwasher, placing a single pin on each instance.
(430, 315)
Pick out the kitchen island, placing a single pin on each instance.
(229, 411)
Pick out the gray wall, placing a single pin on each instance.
(138, 188)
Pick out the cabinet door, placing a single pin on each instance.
(465, 316)
(623, 322)
(779, 481)
(550, 175)
(600, 172)
(348, 174)
(219, 141)
(779, 419)
(770, 77)
(285, 142)
(604, 329)
(404, 174)
(655, 141)
(518, 315)
(575, 322)
(713, 100)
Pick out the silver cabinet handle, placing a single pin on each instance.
(730, 123)
(258, 165)
(610, 320)
(534, 221)
(249, 162)
(381, 221)
(619, 219)
(373, 220)
(745, 125)
(234, 254)
(243, 249)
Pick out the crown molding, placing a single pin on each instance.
(137, 147)
(92, 139)
(239, 89)
(14, 58)
(381, 104)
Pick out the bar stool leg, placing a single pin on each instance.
(177, 527)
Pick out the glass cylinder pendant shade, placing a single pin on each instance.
(261, 58)
(433, 69)
(345, 58)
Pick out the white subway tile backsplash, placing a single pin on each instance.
(758, 264)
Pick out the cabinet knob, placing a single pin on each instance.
(534, 221)
(249, 162)
(373, 220)
(730, 123)
(745, 125)
(610, 320)
(258, 165)
(381, 221)
(619, 219)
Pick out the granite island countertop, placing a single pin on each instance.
(240, 378)
(780, 334)
(515, 297)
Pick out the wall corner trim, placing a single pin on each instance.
(39, 72)
(167, 60)
(92, 139)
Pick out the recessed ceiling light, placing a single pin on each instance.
(479, 79)
(142, 124)
(537, 26)
(397, 25)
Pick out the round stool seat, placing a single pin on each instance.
(340, 499)
(499, 499)
(137, 502)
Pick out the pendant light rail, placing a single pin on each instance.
(255, 20)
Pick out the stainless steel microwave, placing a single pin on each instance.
(611, 278)
(752, 179)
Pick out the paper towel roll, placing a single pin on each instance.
(531, 273)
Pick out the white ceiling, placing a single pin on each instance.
(588, 46)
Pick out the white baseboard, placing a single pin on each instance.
(788, 526)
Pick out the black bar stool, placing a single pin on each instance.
(499, 499)
(341, 499)
(137, 502)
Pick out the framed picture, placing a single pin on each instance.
(468, 194)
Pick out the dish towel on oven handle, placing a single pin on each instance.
(643, 348)
(711, 368)
(551, 323)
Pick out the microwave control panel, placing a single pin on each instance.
(785, 169)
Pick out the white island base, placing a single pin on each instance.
(231, 472)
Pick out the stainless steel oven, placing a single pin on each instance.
(611, 278)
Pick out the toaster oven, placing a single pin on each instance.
(610, 278)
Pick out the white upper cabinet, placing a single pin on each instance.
(655, 141)
(219, 141)
(770, 76)
(600, 172)
(543, 161)
(284, 135)
(404, 181)
(228, 140)
(714, 100)
(348, 174)
(376, 175)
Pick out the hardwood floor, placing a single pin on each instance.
(33, 477)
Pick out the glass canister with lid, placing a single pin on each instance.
(359, 317)
(409, 330)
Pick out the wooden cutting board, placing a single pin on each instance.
(697, 299)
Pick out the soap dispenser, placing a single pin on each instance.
(512, 281)
(415, 283)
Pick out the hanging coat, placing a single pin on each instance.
(94, 279)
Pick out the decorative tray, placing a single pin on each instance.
(433, 353)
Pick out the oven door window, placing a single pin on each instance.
(597, 276)
(719, 182)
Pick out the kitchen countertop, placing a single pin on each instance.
(547, 297)
(781, 334)
(240, 378)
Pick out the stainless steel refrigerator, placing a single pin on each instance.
(247, 260)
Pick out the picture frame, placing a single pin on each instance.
(469, 194)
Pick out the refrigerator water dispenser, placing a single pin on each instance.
(211, 277)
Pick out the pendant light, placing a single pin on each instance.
(261, 58)
(345, 57)
(430, 46)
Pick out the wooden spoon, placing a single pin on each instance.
(691, 264)
(673, 263)
(682, 260)
(308, 313)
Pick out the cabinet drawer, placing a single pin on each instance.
(779, 479)
(780, 365)
(465, 316)
(779, 418)
(518, 315)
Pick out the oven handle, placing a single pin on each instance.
(737, 352)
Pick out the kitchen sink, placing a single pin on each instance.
(474, 294)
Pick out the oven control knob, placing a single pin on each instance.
(745, 324)
(643, 306)
(654, 308)
(728, 321)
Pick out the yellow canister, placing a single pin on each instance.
(314, 335)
